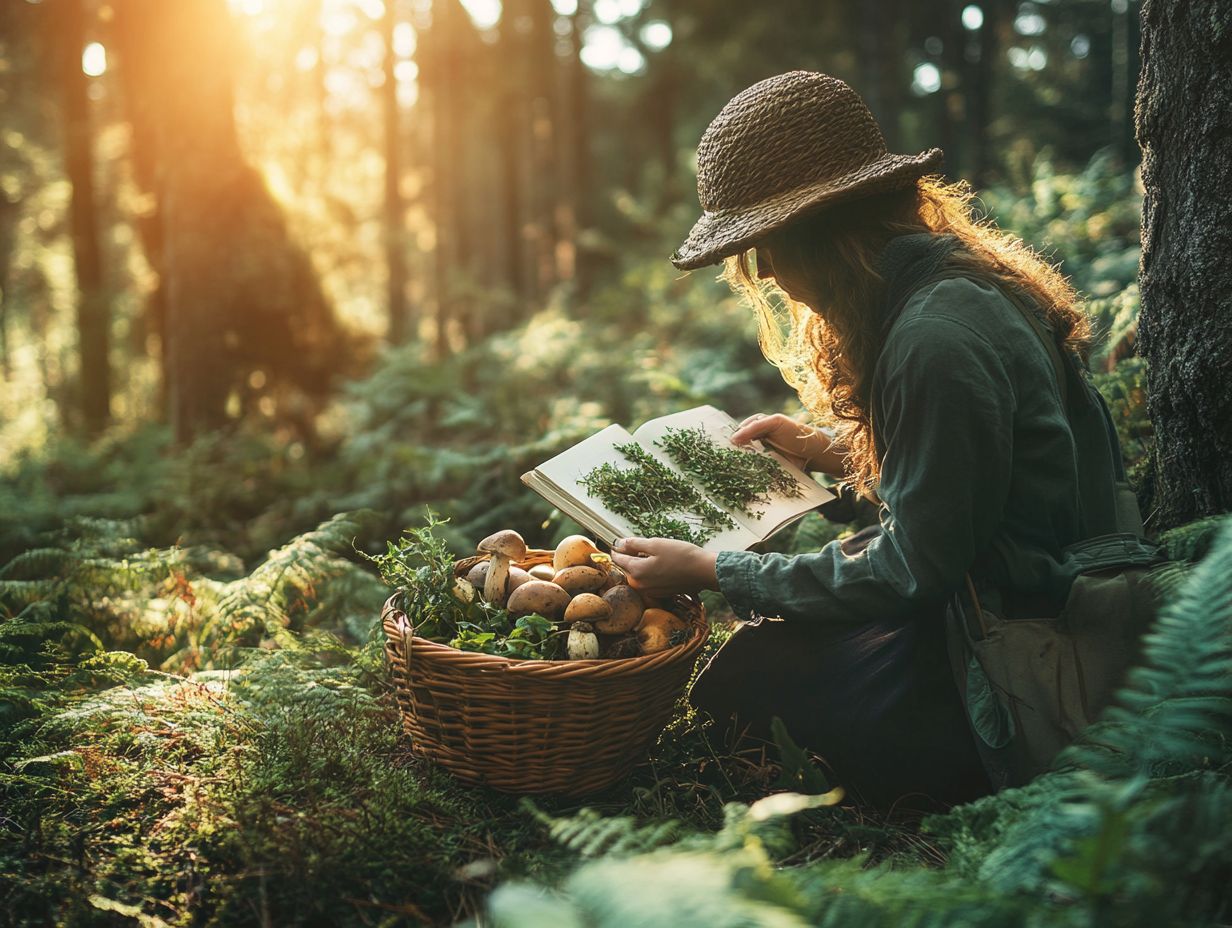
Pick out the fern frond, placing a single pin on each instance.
(1192, 541)
(286, 583)
(36, 564)
(589, 834)
(18, 594)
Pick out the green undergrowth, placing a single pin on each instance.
(186, 739)
(1130, 827)
(242, 763)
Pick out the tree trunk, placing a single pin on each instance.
(241, 297)
(1184, 122)
(511, 121)
(93, 312)
(442, 73)
(581, 173)
(395, 209)
(10, 212)
(136, 76)
(881, 25)
(984, 59)
(544, 126)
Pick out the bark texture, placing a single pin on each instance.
(1184, 126)
(395, 208)
(243, 305)
(93, 311)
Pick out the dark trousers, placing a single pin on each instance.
(876, 701)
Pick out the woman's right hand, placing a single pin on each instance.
(807, 447)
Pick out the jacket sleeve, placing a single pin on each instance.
(944, 417)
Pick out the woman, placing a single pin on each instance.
(902, 324)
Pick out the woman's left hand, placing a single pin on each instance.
(661, 566)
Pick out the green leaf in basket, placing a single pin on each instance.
(469, 639)
(534, 626)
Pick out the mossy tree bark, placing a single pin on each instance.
(1184, 125)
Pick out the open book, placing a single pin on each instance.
(561, 482)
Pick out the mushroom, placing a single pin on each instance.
(574, 551)
(583, 643)
(617, 648)
(589, 608)
(657, 630)
(615, 577)
(540, 596)
(517, 576)
(627, 607)
(504, 546)
(579, 579)
(463, 590)
(477, 575)
(542, 572)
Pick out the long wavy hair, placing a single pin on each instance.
(826, 340)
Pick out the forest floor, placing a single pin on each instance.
(275, 785)
(284, 791)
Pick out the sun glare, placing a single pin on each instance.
(338, 20)
(657, 35)
(484, 13)
(94, 60)
(972, 17)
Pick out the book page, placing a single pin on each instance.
(720, 427)
(565, 471)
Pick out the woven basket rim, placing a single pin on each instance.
(490, 663)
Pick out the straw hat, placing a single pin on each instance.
(786, 146)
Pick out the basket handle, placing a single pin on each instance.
(400, 622)
(407, 634)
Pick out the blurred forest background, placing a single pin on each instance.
(277, 276)
(379, 254)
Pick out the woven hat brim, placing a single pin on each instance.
(720, 233)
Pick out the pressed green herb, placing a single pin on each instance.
(647, 491)
(737, 477)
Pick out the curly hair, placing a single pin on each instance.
(825, 337)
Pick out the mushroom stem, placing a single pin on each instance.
(494, 585)
(583, 643)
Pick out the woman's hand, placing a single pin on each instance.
(661, 566)
(807, 447)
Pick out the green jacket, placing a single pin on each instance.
(981, 470)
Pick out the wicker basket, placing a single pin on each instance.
(531, 726)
